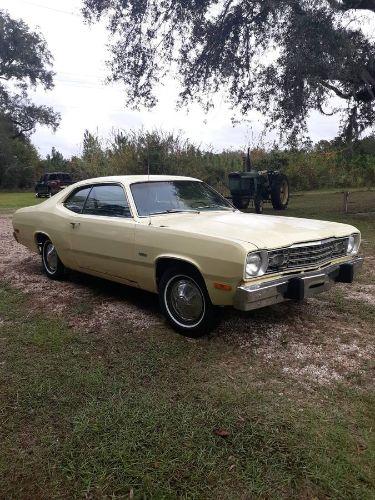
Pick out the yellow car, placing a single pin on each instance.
(178, 237)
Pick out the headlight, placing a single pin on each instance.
(256, 264)
(353, 244)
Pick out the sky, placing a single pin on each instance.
(85, 101)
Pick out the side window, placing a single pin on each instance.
(107, 200)
(76, 200)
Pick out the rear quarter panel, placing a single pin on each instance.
(44, 218)
(24, 221)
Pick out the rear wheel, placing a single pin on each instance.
(52, 265)
(280, 192)
(185, 302)
(240, 203)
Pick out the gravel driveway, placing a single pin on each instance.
(314, 342)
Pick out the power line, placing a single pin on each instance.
(77, 79)
(50, 8)
(81, 75)
(80, 83)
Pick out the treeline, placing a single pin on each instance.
(19, 159)
(324, 165)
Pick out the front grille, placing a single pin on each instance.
(312, 255)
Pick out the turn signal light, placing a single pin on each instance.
(222, 286)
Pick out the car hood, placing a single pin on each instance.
(263, 231)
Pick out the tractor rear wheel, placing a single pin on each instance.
(258, 205)
(280, 192)
(240, 203)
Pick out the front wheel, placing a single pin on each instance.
(185, 302)
(52, 265)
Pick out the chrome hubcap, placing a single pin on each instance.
(186, 300)
(51, 257)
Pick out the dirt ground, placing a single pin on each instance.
(320, 341)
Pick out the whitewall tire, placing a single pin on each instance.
(185, 302)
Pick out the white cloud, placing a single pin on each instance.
(84, 101)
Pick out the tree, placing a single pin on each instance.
(93, 154)
(284, 58)
(25, 62)
(18, 158)
(54, 162)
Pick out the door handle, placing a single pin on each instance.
(74, 224)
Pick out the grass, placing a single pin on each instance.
(10, 201)
(102, 417)
(132, 413)
(329, 205)
(336, 190)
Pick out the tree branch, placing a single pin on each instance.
(337, 91)
(345, 5)
(320, 108)
(370, 84)
(225, 11)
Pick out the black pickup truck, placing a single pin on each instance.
(51, 183)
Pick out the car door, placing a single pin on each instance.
(102, 233)
(42, 186)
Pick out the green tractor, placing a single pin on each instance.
(259, 187)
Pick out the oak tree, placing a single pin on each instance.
(284, 58)
(25, 63)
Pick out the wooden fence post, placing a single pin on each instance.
(346, 201)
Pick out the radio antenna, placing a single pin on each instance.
(148, 162)
(148, 176)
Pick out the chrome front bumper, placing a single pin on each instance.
(295, 286)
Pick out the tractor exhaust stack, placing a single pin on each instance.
(248, 166)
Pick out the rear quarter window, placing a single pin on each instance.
(76, 200)
(107, 201)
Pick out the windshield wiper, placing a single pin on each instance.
(175, 211)
(215, 207)
(178, 210)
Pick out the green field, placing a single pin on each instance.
(121, 412)
(12, 201)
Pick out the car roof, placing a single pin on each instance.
(131, 179)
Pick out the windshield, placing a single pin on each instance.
(163, 197)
